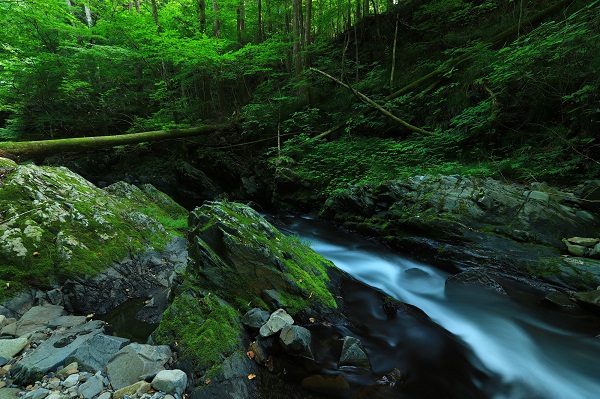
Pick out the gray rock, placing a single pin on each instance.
(40, 393)
(37, 318)
(353, 354)
(92, 387)
(66, 321)
(55, 297)
(10, 347)
(134, 361)
(52, 353)
(10, 329)
(71, 381)
(105, 395)
(4, 361)
(170, 381)
(95, 353)
(18, 305)
(277, 321)
(2, 320)
(296, 340)
(538, 195)
(272, 298)
(255, 318)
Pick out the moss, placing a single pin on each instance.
(245, 256)
(54, 224)
(205, 327)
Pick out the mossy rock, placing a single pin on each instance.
(54, 224)
(241, 257)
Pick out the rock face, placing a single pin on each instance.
(55, 224)
(94, 354)
(473, 223)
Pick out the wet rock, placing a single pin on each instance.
(255, 318)
(170, 381)
(296, 340)
(135, 362)
(10, 347)
(560, 300)
(37, 318)
(326, 384)
(95, 353)
(353, 354)
(277, 321)
(233, 383)
(51, 354)
(476, 277)
(589, 299)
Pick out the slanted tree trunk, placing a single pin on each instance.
(35, 148)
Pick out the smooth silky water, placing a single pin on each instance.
(534, 351)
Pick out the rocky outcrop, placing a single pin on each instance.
(55, 225)
(461, 223)
(238, 263)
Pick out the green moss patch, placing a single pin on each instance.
(205, 327)
(54, 224)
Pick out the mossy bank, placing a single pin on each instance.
(55, 225)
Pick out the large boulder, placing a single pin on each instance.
(136, 362)
(56, 225)
(95, 353)
(53, 352)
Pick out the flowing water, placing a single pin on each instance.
(534, 351)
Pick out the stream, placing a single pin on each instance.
(533, 351)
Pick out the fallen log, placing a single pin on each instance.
(44, 147)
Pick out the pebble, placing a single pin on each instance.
(72, 380)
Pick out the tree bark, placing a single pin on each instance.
(202, 15)
(35, 148)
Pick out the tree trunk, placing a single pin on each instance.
(88, 15)
(259, 35)
(35, 148)
(296, 34)
(216, 22)
(202, 15)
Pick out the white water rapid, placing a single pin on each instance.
(535, 354)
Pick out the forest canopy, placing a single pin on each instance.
(496, 80)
